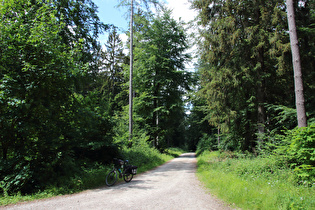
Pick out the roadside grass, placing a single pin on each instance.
(89, 178)
(253, 183)
(147, 158)
(144, 157)
(175, 152)
(21, 198)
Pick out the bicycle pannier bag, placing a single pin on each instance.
(134, 170)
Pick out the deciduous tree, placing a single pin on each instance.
(160, 78)
(131, 4)
(47, 49)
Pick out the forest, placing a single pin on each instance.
(64, 97)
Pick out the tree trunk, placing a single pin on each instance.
(218, 139)
(131, 73)
(154, 122)
(261, 113)
(156, 114)
(298, 81)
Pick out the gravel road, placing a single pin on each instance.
(170, 186)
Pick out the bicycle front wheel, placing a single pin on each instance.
(127, 176)
(111, 178)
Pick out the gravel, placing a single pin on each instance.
(173, 185)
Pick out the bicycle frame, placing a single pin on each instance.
(120, 166)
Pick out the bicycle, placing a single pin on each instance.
(124, 170)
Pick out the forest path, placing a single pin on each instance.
(173, 185)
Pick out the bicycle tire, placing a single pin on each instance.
(127, 176)
(111, 178)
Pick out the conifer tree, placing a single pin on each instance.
(239, 65)
(110, 75)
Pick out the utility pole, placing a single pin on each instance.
(131, 74)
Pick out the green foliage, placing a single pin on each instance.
(230, 142)
(21, 198)
(298, 148)
(144, 156)
(174, 151)
(91, 175)
(196, 125)
(244, 64)
(86, 177)
(253, 183)
(110, 79)
(44, 122)
(281, 117)
(35, 89)
(62, 110)
(159, 78)
(207, 143)
(305, 18)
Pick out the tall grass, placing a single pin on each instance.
(253, 183)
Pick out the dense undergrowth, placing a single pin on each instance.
(253, 183)
(280, 176)
(93, 176)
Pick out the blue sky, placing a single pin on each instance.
(110, 14)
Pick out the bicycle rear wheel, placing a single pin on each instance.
(127, 176)
(111, 178)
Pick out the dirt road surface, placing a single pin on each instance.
(170, 186)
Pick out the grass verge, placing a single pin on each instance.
(144, 157)
(253, 183)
